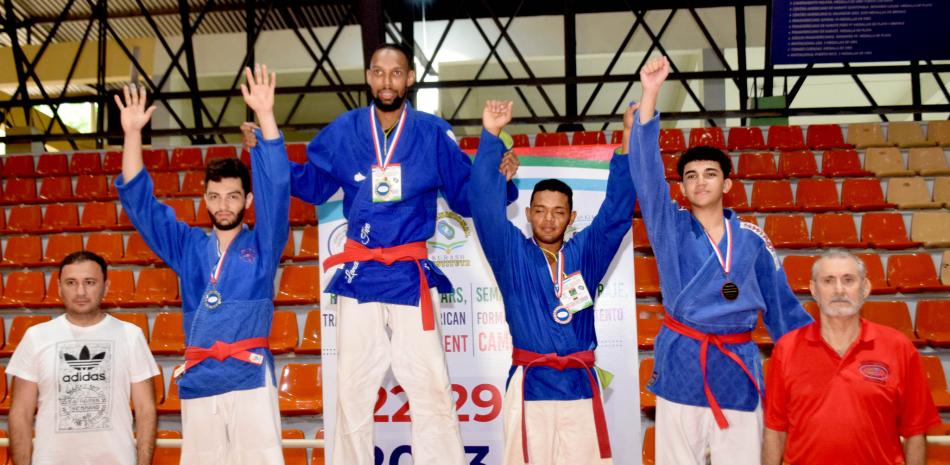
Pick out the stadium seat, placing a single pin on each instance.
(172, 403)
(138, 252)
(825, 137)
(59, 246)
(749, 219)
(761, 336)
(159, 385)
(19, 190)
(550, 139)
(757, 165)
(155, 160)
(52, 299)
(817, 195)
(669, 167)
(137, 319)
(186, 158)
(298, 285)
(913, 273)
(938, 132)
(648, 455)
(52, 164)
(300, 390)
(302, 213)
(863, 135)
(942, 191)
(283, 332)
(835, 230)
(842, 163)
(93, 187)
(928, 161)
(167, 455)
(641, 241)
(309, 245)
(193, 184)
(894, 314)
(294, 456)
(788, 232)
(24, 289)
(773, 196)
(219, 151)
(468, 143)
(60, 217)
(672, 141)
(931, 228)
(7, 396)
(885, 231)
(588, 138)
(945, 268)
(797, 164)
(736, 198)
(676, 193)
(647, 398)
(646, 276)
(156, 287)
(56, 189)
(18, 328)
(785, 138)
(184, 209)
(798, 271)
(97, 216)
(712, 137)
(18, 166)
(165, 184)
(937, 381)
(121, 291)
(907, 134)
(289, 246)
(910, 193)
(25, 219)
(168, 336)
(616, 137)
(875, 271)
(933, 322)
(745, 139)
(521, 140)
(112, 162)
(885, 162)
(649, 321)
(203, 218)
(85, 163)
(864, 194)
(310, 343)
(295, 153)
(23, 251)
(107, 246)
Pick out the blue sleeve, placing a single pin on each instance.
(489, 213)
(783, 312)
(649, 178)
(455, 168)
(600, 240)
(313, 182)
(270, 183)
(155, 221)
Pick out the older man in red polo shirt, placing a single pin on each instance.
(844, 390)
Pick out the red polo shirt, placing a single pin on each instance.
(851, 409)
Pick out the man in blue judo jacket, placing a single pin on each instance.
(229, 399)
(553, 408)
(716, 274)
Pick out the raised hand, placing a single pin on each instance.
(653, 74)
(258, 92)
(509, 165)
(496, 115)
(134, 114)
(628, 115)
(247, 131)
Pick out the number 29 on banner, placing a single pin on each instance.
(485, 400)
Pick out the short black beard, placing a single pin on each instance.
(388, 107)
(227, 227)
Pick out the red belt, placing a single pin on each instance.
(717, 340)
(583, 359)
(412, 252)
(221, 351)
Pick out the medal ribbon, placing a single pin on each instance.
(383, 163)
(217, 269)
(727, 263)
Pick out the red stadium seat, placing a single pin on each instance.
(746, 139)
(121, 291)
(842, 163)
(293, 456)
(112, 162)
(817, 195)
(798, 271)
(736, 198)
(669, 167)
(156, 287)
(933, 322)
(25, 219)
(835, 230)
(166, 184)
(302, 213)
(893, 314)
(137, 319)
(761, 336)
(220, 151)
(56, 189)
(309, 245)
(757, 165)
(676, 193)
(52, 164)
(18, 328)
(788, 232)
(300, 390)
(193, 184)
(468, 143)
(521, 140)
(52, 299)
(296, 153)
(672, 141)
(155, 160)
(797, 164)
(7, 395)
(298, 285)
(168, 336)
(24, 289)
(550, 139)
(773, 196)
(203, 218)
(19, 166)
(885, 231)
(937, 381)
(310, 343)
(913, 273)
(825, 137)
(649, 321)
(283, 332)
(616, 137)
(85, 163)
(711, 137)
(186, 158)
(875, 270)
(588, 138)
(647, 398)
(107, 246)
(3, 220)
(58, 247)
(786, 138)
(124, 223)
(23, 251)
(646, 276)
(93, 187)
(60, 217)
(97, 216)
(19, 190)
(641, 240)
(184, 209)
(138, 252)
(865, 194)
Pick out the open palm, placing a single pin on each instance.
(258, 92)
(134, 114)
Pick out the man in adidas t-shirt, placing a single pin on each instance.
(81, 369)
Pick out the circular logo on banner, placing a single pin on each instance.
(448, 243)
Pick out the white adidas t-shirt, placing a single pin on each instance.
(84, 376)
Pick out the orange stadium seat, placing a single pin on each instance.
(159, 385)
(647, 277)
(751, 219)
(23, 251)
(745, 139)
(302, 213)
(788, 232)
(52, 298)
(186, 158)
(817, 195)
(168, 336)
(108, 246)
(166, 184)
(52, 164)
(933, 322)
(6, 393)
(219, 151)
(288, 251)
(835, 230)
(907, 134)
(137, 319)
(19, 166)
(669, 167)
(19, 190)
(863, 135)
(97, 216)
(647, 398)
(757, 165)
(112, 162)
(167, 455)
(60, 217)
(137, 251)
(798, 271)
(761, 336)
(937, 381)
(82, 163)
(885, 161)
(121, 289)
(786, 138)
(825, 137)
(294, 456)
(24, 289)
(865, 194)
(18, 328)
(885, 231)
(938, 132)
(521, 140)
(550, 139)
(56, 189)
(300, 390)
(736, 198)
(309, 245)
(797, 164)
(298, 285)
(59, 246)
(310, 343)
(172, 403)
(296, 153)
(203, 219)
(672, 141)
(25, 219)
(773, 196)
(156, 287)
(875, 270)
(641, 241)
(648, 456)
(155, 160)
(842, 163)
(913, 273)
(283, 332)
(184, 209)
(193, 184)
(928, 161)
(468, 143)
(893, 314)
(712, 137)
(649, 321)
(588, 138)
(93, 187)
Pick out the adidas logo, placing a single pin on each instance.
(84, 362)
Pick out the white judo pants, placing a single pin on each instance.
(364, 353)
(560, 432)
(684, 432)
(234, 428)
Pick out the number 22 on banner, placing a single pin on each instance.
(484, 396)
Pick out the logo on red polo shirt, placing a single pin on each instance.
(874, 371)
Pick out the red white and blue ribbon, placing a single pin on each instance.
(727, 262)
(380, 160)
